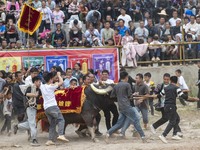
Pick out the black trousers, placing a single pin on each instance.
(7, 123)
(162, 120)
(173, 118)
(113, 109)
(183, 100)
(78, 35)
(44, 25)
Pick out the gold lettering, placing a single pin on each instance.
(39, 107)
(68, 103)
(61, 103)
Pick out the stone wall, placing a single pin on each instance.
(190, 74)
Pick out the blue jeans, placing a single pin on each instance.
(155, 53)
(55, 117)
(144, 112)
(128, 114)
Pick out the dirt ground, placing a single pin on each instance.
(190, 125)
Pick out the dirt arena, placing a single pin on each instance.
(190, 125)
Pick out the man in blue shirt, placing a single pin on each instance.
(69, 77)
(122, 28)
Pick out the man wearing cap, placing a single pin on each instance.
(125, 17)
(75, 27)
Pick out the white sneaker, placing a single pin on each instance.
(107, 138)
(176, 137)
(153, 130)
(157, 59)
(62, 138)
(163, 139)
(153, 59)
(49, 142)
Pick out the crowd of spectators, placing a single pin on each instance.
(91, 23)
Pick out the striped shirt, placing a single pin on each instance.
(171, 92)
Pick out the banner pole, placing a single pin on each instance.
(28, 37)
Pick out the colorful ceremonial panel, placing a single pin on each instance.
(96, 58)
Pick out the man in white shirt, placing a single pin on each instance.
(33, 73)
(51, 108)
(173, 20)
(182, 84)
(192, 26)
(124, 17)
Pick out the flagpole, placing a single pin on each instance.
(29, 2)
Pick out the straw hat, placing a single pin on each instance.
(163, 13)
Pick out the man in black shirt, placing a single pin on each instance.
(171, 92)
(32, 94)
(18, 97)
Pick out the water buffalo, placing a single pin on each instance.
(97, 98)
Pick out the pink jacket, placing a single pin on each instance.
(9, 5)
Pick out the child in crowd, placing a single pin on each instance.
(117, 38)
(7, 110)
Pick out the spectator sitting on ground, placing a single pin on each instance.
(47, 44)
(59, 43)
(59, 34)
